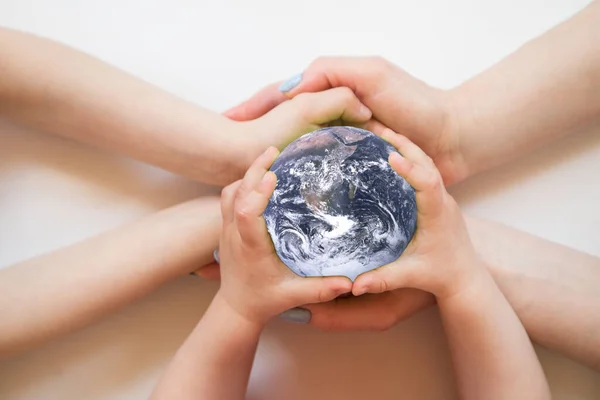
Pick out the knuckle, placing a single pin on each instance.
(228, 191)
(242, 213)
(345, 95)
(383, 286)
(432, 182)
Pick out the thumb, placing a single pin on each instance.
(310, 290)
(330, 105)
(258, 105)
(357, 73)
(388, 277)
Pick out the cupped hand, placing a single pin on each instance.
(254, 282)
(397, 100)
(286, 122)
(440, 258)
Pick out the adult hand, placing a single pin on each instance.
(369, 312)
(288, 121)
(398, 100)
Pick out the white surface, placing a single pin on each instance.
(53, 192)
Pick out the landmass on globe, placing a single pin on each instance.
(338, 207)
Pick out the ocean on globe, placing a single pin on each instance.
(338, 207)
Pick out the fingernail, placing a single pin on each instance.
(296, 315)
(216, 256)
(360, 291)
(364, 111)
(290, 83)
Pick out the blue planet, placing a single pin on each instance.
(338, 207)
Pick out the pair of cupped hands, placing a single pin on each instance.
(420, 123)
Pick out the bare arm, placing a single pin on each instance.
(57, 89)
(56, 293)
(553, 288)
(491, 352)
(547, 88)
(216, 359)
(215, 362)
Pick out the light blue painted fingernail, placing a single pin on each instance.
(296, 315)
(216, 256)
(290, 83)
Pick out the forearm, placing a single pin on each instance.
(57, 89)
(546, 89)
(215, 361)
(56, 293)
(491, 352)
(553, 289)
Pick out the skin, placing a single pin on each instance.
(465, 131)
(492, 354)
(47, 86)
(69, 288)
(255, 287)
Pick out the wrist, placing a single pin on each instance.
(234, 317)
(478, 282)
(455, 167)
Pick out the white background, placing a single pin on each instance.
(53, 192)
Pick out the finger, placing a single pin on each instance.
(356, 73)
(374, 126)
(257, 170)
(419, 171)
(258, 105)
(248, 213)
(317, 289)
(396, 275)
(428, 185)
(324, 107)
(209, 272)
(227, 201)
(408, 149)
(372, 312)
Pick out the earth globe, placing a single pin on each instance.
(338, 207)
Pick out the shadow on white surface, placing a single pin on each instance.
(122, 356)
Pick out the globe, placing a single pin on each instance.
(338, 207)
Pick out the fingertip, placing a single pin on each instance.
(268, 183)
(361, 285)
(342, 285)
(233, 113)
(364, 113)
(209, 272)
(401, 165)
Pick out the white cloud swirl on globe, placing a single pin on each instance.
(339, 208)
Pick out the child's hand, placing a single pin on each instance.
(440, 259)
(291, 119)
(254, 282)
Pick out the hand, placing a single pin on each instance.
(254, 282)
(369, 312)
(288, 121)
(398, 100)
(440, 258)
